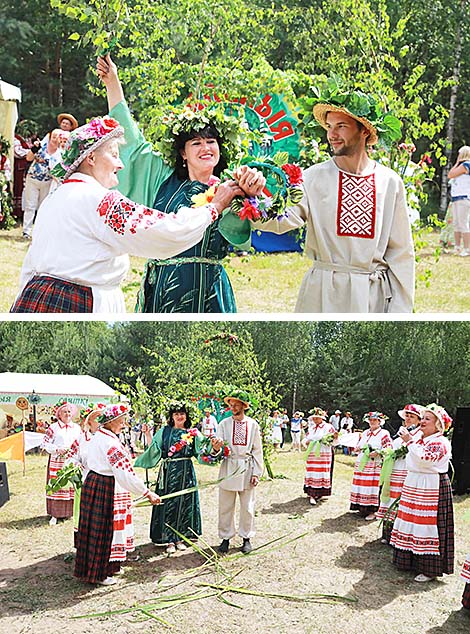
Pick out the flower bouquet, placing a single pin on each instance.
(210, 458)
(185, 440)
(315, 445)
(285, 179)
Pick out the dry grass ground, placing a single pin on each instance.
(269, 283)
(340, 553)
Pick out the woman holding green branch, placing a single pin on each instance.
(319, 467)
(365, 485)
(393, 472)
(172, 448)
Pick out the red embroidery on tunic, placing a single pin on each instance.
(240, 432)
(121, 213)
(356, 206)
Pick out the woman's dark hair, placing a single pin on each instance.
(174, 409)
(209, 132)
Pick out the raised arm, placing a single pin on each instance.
(108, 73)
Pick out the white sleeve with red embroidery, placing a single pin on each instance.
(139, 230)
(48, 443)
(123, 471)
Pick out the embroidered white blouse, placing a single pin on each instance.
(107, 456)
(84, 234)
(60, 436)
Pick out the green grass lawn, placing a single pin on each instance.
(269, 283)
(321, 549)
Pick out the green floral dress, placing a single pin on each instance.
(176, 473)
(194, 281)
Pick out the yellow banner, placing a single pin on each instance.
(12, 447)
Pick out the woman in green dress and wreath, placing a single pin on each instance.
(173, 448)
(197, 146)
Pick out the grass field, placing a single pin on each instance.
(269, 283)
(333, 551)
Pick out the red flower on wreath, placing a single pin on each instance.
(249, 211)
(294, 173)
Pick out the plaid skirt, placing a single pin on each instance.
(466, 596)
(46, 294)
(95, 529)
(434, 565)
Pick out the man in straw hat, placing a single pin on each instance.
(67, 121)
(241, 435)
(358, 231)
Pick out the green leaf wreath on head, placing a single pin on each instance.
(357, 103)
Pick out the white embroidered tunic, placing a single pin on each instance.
(359, 239)
(246, 453)
(84, 233)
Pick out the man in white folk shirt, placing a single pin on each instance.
(354, 208)
(335, 419)
(209, 423)
(241, 435)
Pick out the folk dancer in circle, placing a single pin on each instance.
(365, 485)
(78, 454)
(59, 438)
(411, 415)
(423, 532)
(466, 578)
(320, 459)
(106, 529)
(172, 449)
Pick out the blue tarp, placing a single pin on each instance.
(268, 242)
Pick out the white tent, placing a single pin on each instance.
(49, 388)
(9, 97)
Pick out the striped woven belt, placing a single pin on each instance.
(193, 260)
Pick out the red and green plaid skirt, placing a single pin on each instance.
(46, 294)
(466, 596)
(434, 565)
(95, 529)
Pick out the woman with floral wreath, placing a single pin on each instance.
(197, 147)
(365, 485)
(106, 530)
(423, 532)
(172, 448)
(320, 459)
(58, 440)
(391, 486)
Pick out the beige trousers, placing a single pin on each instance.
(246, 525)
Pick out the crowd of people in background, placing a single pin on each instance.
(34, 159)
(402, 480)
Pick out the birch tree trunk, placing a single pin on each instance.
(452, 107)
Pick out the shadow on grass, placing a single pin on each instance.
(381, 582)
(26, 522)
(457, 622)
(348, 522)
(297, 506)
(50, 583)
